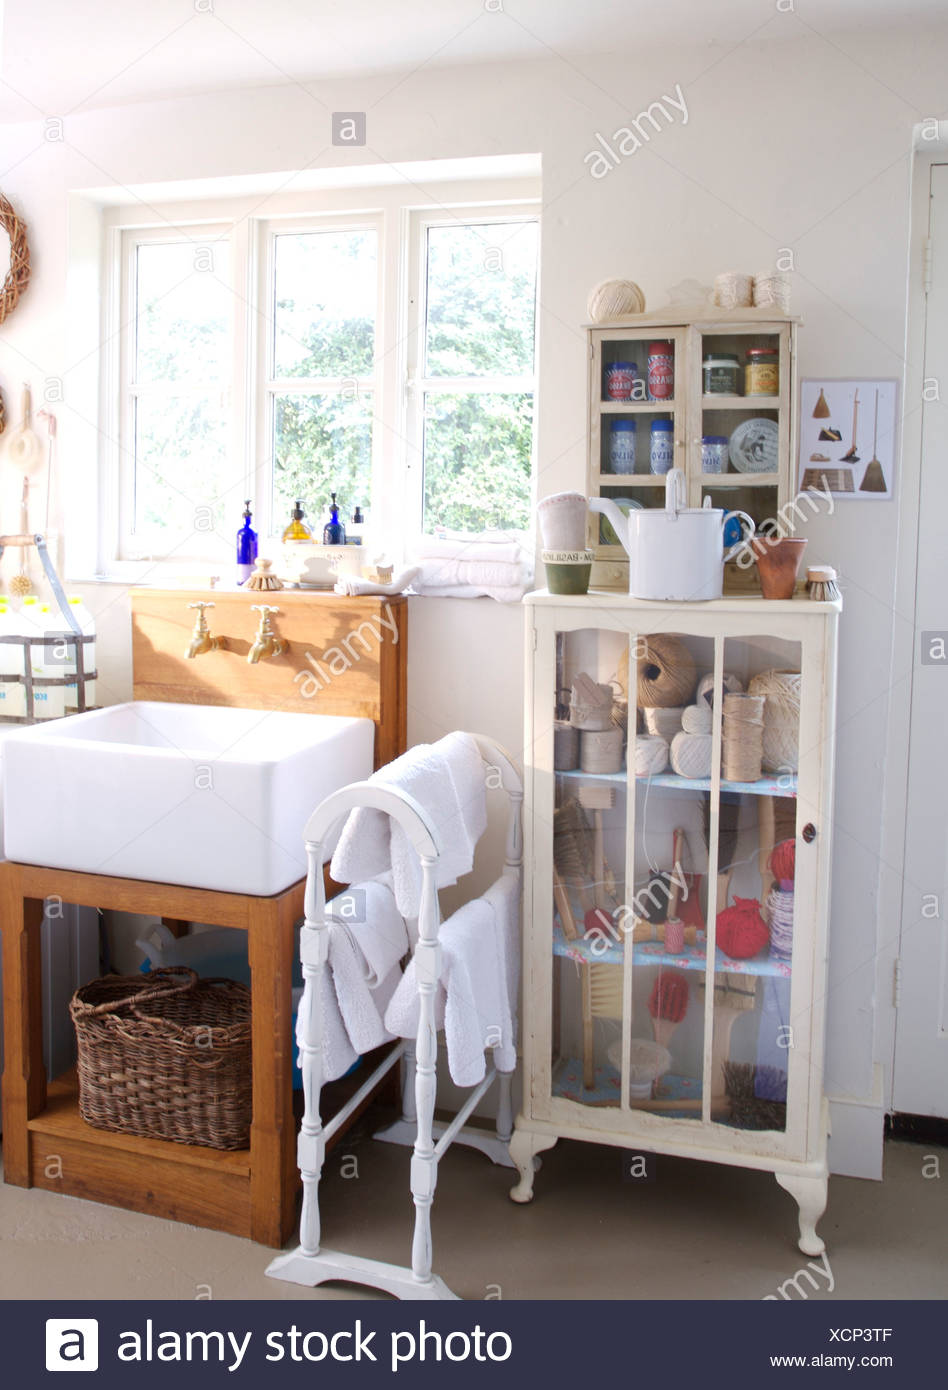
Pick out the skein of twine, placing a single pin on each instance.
(666, 672)
(651, 755)
(691, 755)
(781, 692)
(696, 719)
(743, 733)
(779, 912)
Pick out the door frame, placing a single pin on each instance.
(927, 153)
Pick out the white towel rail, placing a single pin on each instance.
(309, 1264)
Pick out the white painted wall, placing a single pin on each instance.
(794, 141)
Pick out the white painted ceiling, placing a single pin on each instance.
(61, 55)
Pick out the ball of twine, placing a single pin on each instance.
(696, 719)
(666, 672)
(691, 755)
(600, 750)
(663, 723)
(772, 290)
(705, 692)
(18, 276)
(733, 289)
(651, 755)
(615, 299)
(781, 692)
(743, 736)
(565, 746)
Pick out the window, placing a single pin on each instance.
(321, 380)
(269, 359)
(474, 383)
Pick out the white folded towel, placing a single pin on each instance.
(450, 573)
(475, 1003)
(447, 780)
(511, 593)
(338, 1053)
(353, 586)
(503, 897)
(490, 546)
(367, 940)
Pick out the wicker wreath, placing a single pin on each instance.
(18, 276)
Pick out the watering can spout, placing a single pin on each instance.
(615, 518)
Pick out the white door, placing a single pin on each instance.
(920, 1077)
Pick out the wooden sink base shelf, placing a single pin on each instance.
(46, 1143)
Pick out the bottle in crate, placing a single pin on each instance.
(50, 659)
(87, 624)
(12, 692)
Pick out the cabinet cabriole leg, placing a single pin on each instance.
(810, 1194)
(524, 1146)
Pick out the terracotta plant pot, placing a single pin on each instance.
(778, 564)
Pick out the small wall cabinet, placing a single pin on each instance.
(741, 1080)
(626, 416)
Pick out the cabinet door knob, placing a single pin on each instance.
(809, 832)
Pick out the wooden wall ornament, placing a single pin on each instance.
(18, 275)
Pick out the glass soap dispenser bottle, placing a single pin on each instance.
(246, 546)
(297, 529)
(334, 533)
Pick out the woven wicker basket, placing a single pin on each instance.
(166, 1056)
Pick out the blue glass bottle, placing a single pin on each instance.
(334, 533)
(246, 547)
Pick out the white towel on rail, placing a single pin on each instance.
(367, 940)
(447, 780)
(473, 1003)
(338, 1053)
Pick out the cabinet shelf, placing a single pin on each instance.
(765, 786)
(654, 953)
(740, 402)
(611, 407)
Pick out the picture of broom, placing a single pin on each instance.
(850, 455)
(874, 479)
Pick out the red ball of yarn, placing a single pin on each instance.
(741, 931)
(782, 861)
(597, 919)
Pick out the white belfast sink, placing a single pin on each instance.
(199, 795)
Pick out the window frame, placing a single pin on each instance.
(268, 386)
(130, 546)
(400, 214)
(417, 385)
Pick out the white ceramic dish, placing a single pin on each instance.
(753, 447)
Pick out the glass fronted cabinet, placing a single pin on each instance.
(679, 778)
(712, 396)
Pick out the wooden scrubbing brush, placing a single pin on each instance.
(573, 850)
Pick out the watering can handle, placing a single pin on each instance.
(675, 499)
(747, 536)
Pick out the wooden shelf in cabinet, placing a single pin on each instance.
(632, 480)
(654, 953)
(741, 402)
(740, 480)
(765, 786)
(636, 407)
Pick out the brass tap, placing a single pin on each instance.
(201, 639)
(266, 643)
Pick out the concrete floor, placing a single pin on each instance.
(695, 1231)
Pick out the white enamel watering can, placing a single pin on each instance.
(675, 552)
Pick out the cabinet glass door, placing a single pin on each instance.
(675, 765)
(752, 1018)
(635, 430)
(589, 864)
(740, 452)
